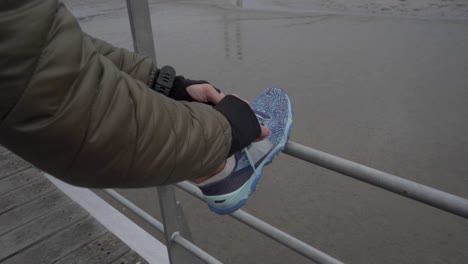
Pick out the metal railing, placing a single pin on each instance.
(422, 193)
(175, 229)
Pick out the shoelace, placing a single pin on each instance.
(260, 119)
(246, 151)
(249, 158)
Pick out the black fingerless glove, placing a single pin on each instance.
(179, 89)
(244, 123)
(175, 87)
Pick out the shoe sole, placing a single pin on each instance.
(250, 186)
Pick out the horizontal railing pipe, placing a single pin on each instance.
(284, 238)
(270, 231)
(419, 192)
(196, 251)
(176, 237)
(135, 209)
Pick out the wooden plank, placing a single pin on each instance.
(4, 156)
(134, 236)
(12, 164)
(130, 258)
(105, 249)
(40, 228)
(61, 244)
(24, 194)
(3, 149)
(19, 179)
(8, 156)
(32, 210)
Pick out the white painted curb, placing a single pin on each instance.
(148, 247)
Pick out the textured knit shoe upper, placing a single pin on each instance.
(273, 110)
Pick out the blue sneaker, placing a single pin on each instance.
(273, 110)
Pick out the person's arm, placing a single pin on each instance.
(142, 68)
(82, 119)
(137, 66)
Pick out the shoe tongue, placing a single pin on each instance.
(258, 150)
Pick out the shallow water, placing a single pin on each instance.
(389, 90)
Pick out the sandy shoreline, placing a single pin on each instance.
(449, 9)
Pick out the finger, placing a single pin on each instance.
(265, 133)
(212, 95)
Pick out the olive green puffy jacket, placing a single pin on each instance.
(80, 109)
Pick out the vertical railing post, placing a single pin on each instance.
(174, 223)
(140, 25)
(171, 211)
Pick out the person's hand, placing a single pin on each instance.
(195, 91)
(205, 93)
(265, 131)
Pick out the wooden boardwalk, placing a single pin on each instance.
(40, 224)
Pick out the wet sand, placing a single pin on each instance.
(450, 9)
(388, 89)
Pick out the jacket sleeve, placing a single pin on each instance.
(84, 120)
(137, 66)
